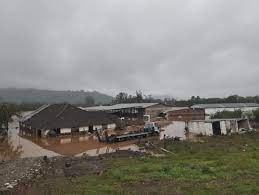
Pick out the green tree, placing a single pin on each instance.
(139, 96)
(122, 97)
(6, 113)
(227, 114)
(256, 115)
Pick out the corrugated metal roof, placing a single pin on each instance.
(226, 105)
(121, 106)
(31, 114)
(175, 108)
(67, 116)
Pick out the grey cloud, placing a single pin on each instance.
(181, 48)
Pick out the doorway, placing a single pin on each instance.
(216, 128)
(91, 128)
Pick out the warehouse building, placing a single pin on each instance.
(132, 110)
(211, 109)
(65, 119)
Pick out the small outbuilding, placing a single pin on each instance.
(218, 126)
(65, 119)
(132, 110)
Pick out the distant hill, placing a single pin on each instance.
(50, 96)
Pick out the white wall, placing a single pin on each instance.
(111, 126)
(98, 127)
(82, 129)
(65, 130)
(205, 128)
(200, 127)
(223, 126)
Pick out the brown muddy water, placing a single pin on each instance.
(19, 147)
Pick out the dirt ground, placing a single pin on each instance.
(18, 172)
(17, 176)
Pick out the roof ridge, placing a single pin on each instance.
(62, 111)
(38, 110)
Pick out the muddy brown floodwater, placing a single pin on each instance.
(16, 146)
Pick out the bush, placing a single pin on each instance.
(256, 115)
(227, 114)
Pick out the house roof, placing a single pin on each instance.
(121, 106)
(175, 109)
(226, 105)
(67, 116)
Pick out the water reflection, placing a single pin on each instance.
(7, 150)
(175, 129)
(29, 149)
(76, 145)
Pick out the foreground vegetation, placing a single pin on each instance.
(217, 165)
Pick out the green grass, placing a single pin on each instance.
(220, 165)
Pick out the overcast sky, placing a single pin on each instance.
(181, 48)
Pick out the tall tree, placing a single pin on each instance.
(122, 97)
(139, 96)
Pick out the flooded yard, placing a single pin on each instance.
(17, 146)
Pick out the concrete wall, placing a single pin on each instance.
(226, 126)
(200, 127)
(223, 126)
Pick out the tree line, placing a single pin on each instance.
(230, 99)
(138, 97)
(7, 110)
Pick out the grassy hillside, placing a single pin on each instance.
(49, 96)
(219, 165)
